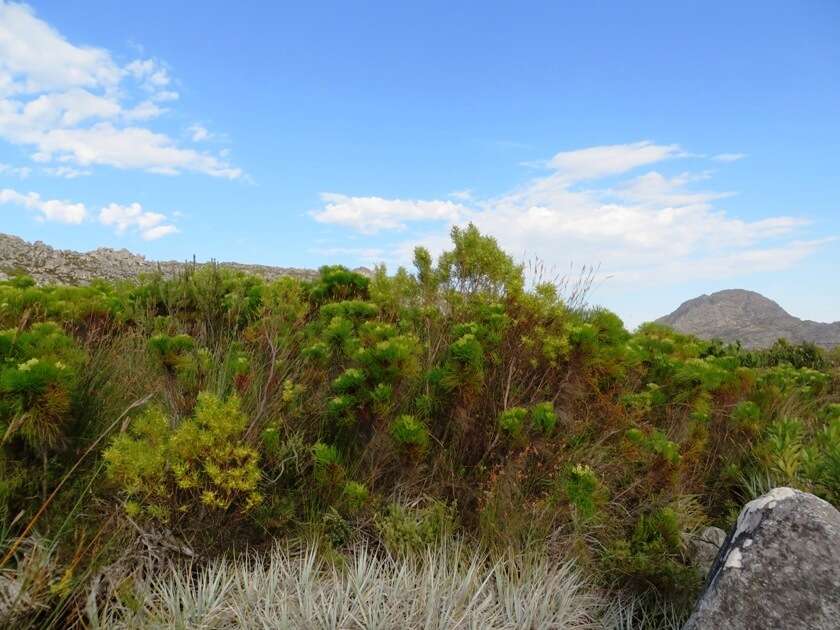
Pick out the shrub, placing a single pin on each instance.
(656, 444)
(410, 433)
(407, 529)
(202, 463)
(543, 417)
(582, 490)
(327, 461)
(512, 421)
(355, 495)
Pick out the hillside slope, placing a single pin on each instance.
(48, 265)
(749, 317)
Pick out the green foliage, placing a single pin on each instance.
(410, 433)
(543, 417)
(512, 421)
(355, 495)
(407, 529)
(38, 375)
(202, 463)
(747, 415)
(582, 489)
(477, 264)
(327, 462)
(353, 390)
(656, 444)
(339, 283)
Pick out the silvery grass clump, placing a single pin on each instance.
(448, 586)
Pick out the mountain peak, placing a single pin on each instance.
(749, 317)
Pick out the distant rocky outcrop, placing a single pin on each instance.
(748, 317)
(48, 265)
(779, 568)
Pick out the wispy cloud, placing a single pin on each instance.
(21, 172)
(76, 106)
(645, 227)
(198, 133)
(369, 215)
(462, 195)
(67, 172)
(729, 157)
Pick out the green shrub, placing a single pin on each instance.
(512, 421)
(355, 495)
(656, 444)
(543, 417)
(327, 461)
(410, 433)
(202, 463)
(583, 491)
(747, 415)
(413, 529)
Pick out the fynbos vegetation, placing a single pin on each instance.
(161, 437)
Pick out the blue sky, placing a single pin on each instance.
(682, 147)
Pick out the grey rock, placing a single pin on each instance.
(47, 265)
(748, 317)
(703, 547)
(779, 568)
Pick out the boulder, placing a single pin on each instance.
(703, 547)
(779, 568)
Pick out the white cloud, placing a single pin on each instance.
(126, 148)
(198, 133)
(67, 172)
(369, 254)
(143, 111)
(153, 75)
(643, 228)
(35, 58)
(729, 157)
(47, 209)
(159, 231)
(15, 171)
(64, 109)
(150, 225)
(597, 162)
(76, 106)
(373, 214)
(462, 195)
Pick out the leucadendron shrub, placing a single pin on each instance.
(39, 378)
(200, 466)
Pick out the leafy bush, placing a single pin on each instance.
(202, 463)
(512, 421)
(405, 529)
(410, 433)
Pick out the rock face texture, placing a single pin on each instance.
(779, 568)
(704, 547)
(748, 317)
(60, 266)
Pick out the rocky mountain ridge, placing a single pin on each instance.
(749, 317)
(48, 265)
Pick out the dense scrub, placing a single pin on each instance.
(161, 420)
